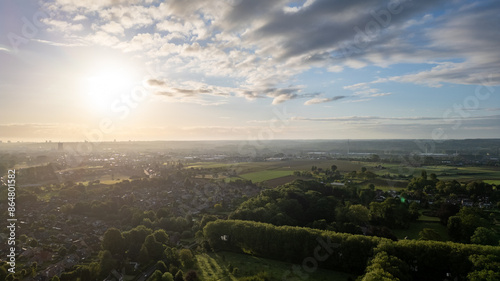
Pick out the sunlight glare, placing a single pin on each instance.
(106, 86)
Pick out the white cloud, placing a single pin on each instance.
(61, 26)
(322, 100)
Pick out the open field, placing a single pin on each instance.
(491, 174)
(216, 266)
(286, 165)
(415, 228)
(496, 182)
(265, 175)
(274, 173)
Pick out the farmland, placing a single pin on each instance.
(276, 173)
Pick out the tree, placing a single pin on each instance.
(143, 257)
(167, 276)
(186, 257)
(191, 276)
(106, 263)
(156, 276)
(484, 236)
(375, 158)
(447, 210)
(486, 268)
(462, 226)
(218, 207)
(161, 236)
(358, 214)
(179, 276)
(387, 267)
(134, 239)
(155, 248)
(113, 242)
(160, 265)
(455, 228)
(414, 210)
(423, 174)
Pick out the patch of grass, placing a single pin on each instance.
(415, 228)
(216, 266)
(425, 218)
(496, 182)
(207, 165)
(281, 181)
(265, 175)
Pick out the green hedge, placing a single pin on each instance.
(331, 250)
(426, 260)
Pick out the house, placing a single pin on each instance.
(467, 203)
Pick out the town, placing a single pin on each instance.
(68, 205)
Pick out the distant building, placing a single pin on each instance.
(60, 146)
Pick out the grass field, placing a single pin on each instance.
(415, 228)
(287, 165)
(490, 174)
(273, 173)
(265, 175)
(496, 182)
(216, 266)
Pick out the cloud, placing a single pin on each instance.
(448, 123)
(364, 92)
(189, 92)
(61, 26)
(323, 100)
(5, 49)
(155, 82)
(259, 45)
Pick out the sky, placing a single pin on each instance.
(102, 70)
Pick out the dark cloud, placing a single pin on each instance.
(155, 82)
(326, 24)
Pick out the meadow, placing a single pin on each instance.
(227, 266)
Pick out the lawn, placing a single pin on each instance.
(415, 228)
(216, 266)
(265, 175)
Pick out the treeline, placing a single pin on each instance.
(475, 190)
(336, 208)
(337, 251)
(431, 260)
(378, 258)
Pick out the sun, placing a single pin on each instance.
(105, 86)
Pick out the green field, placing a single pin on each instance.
(265, 175)
(496, 182)
(273, 173)
(415, 228)
(216, 266)
(489, 174)
(287, 165)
